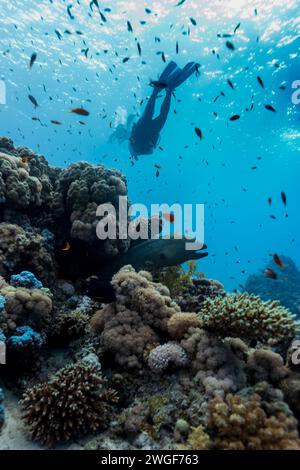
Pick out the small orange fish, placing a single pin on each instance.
(270, 273)
(66, 247)
(168, 217)
(278, 261)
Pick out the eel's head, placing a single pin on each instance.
(177, 251)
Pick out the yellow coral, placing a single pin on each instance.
(240, 423)
(198, 439)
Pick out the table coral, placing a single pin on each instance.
(240, 423)
(73, 403)
(247, 316)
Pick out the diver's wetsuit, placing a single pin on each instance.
(145, 133)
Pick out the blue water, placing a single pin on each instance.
(217, 170)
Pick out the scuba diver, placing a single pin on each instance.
(146, 131)
(122, 132)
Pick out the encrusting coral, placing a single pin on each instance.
(240, 423)
(73, 403)
(247, 316)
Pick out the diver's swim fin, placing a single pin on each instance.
(179, 76)
(170, 68)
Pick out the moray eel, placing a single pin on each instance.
(157, 253)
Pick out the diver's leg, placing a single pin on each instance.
(160, 120)
(150, 107)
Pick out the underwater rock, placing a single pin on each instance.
(285, 289)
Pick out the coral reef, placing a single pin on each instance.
(240, 423)
(74, 403)
(191, 366)
(247, 316)
(285, 289)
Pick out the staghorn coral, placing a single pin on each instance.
(215, 366)
(20, 248)
(74, 402)
(240, 423)
(129, 326)
(247, 316)
(166, 355)
(24, 306)
(266, 365)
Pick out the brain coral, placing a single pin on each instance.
(240, 423)
(247, 316)
(129, 326)
(74, 403)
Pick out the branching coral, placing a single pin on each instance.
(130, 325)
(241, 424)
(217, 369)
(24, 306)
(247, 316)
(74, 403)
